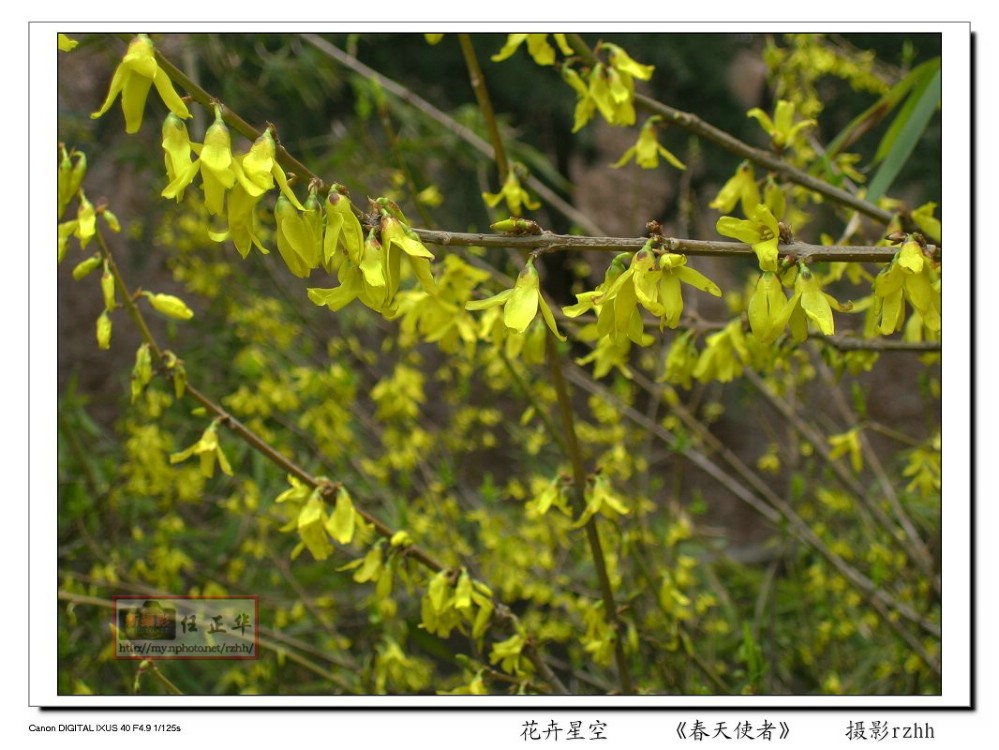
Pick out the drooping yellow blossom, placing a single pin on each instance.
(600, 498)
(810, 302)
(847, 442)
(740, 188)
(768, 309)
(132, 79)
(537, 45)
(72, 168)
(215, 164)
(208, 450)
(520, 304)
(647, 149)
(293, 239)
(784, 132)
(516, 197)
(176, 151)
(104, 330)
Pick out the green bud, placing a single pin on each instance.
(86, 267)
(170, 306)
(107, 288)
(104, 331)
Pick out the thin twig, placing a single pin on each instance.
(579, 500)
(699, 127)
(253, 440)
(908, 527)
(478, 81)
(549, 242)
(549, 196)
(910, 542)
(777, 507)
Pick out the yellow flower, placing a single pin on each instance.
(809, 301)
(929, 224)
(674, 269)
(216, 164)
(343, 230)
(312, 527)
(176, 151)
(620, 61)
(72, 168)
(512, 192)
(294, 242)
(399, 241)
(537, 45)
(740, 188)
(761, 232)
(782, 129)
(208, 450)
(104, 330)
(520, 304)
(341, 523)
(847, 442)
(132, 78)
(217, 174)
(768, 309)
(647, 150)
(600, 498)
(244, 228)
(86, 216)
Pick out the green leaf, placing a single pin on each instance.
(870, 117)
(914, 118)
(921, 78)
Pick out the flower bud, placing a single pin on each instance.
(86, 267)
(104, 331)
(170, 306)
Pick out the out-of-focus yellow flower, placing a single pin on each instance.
(647, 149)
(784, 132)
(513, 193)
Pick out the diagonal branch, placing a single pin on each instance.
(694, 124)
(501, 613)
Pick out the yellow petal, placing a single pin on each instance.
(164, 87)
(521, 308)
(546, 313)
(341, 523)
(133, 100)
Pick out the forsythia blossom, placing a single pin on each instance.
(132, 78)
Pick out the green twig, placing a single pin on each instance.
(478, 81)
(575, 455)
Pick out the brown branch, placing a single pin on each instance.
(549, 242)
(773, 508)
(694, 124)
(550, 197)
(500, 613)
